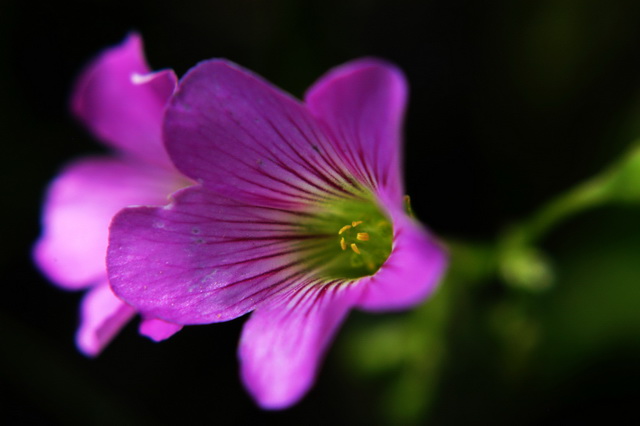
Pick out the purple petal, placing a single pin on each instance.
(412, 271)
(122, 103)
(79, 206)
(363, 103)
(204, 258)
(103, 315)
(230, 129)
(157, 329)
(284, 340)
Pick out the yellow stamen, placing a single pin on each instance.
(344, 228)
(355, 248)
(362, 236)
(343, 244)
(356, 223)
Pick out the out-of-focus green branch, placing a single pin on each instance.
(521, 263)
(414, 346)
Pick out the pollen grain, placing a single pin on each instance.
(344, 228)
(343, 244)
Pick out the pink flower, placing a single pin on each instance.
(122, 103)
(298, 217)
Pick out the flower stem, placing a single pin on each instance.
(585, 196)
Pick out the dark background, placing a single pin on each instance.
(511, 103)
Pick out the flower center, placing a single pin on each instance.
(346, 238)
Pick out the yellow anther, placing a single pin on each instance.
(343, 244)
(344, 228)
(356, 223)
(362, 236)
(355, 248)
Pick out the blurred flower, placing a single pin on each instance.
(298, 216)
(122, 103)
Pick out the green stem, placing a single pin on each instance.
(588, 195)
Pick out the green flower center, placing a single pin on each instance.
(346, 238)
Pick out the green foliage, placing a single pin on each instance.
(546, 310)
